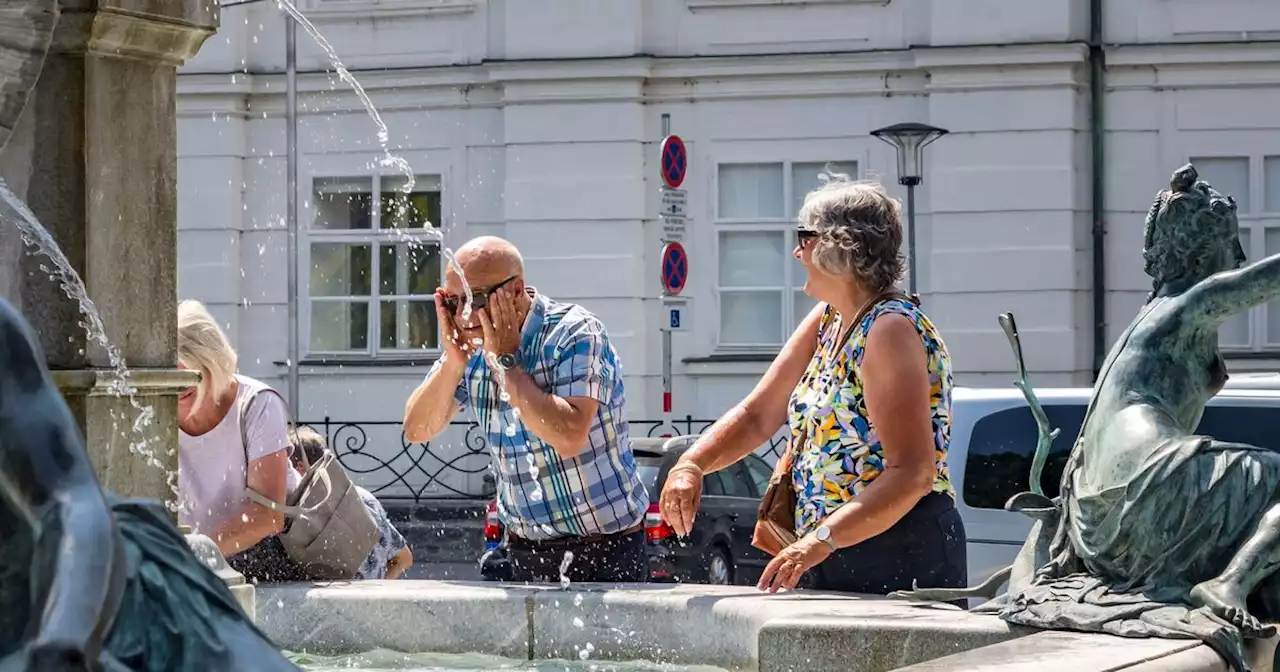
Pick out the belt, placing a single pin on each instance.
(560, 542)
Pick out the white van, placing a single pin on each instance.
(993, 437)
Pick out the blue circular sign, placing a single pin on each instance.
(675, 268)
(675, 161)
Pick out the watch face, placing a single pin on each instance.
(823, 533)
(506, 361)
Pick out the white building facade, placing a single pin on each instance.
(540, 121)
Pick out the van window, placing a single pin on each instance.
(1254, 425)
(1002, 444)
(1000, 450)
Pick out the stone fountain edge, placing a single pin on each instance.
(735, 628)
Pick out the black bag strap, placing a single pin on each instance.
(853, 324)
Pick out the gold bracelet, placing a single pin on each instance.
(687, 466)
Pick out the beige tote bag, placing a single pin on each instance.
(331, 532)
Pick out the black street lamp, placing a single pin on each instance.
(909, 139)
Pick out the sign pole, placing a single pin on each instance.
(674, 265)
(666, 338)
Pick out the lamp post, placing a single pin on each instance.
(909, 139)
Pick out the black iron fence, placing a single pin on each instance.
(453, 465)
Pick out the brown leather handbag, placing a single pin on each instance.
(776, 518)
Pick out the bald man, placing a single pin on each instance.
(544, 383)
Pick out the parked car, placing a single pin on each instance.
(718, 550)
(993, 438)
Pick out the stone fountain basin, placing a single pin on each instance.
(735, 628)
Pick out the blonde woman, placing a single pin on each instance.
(215, 463)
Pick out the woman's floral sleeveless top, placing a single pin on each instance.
(839, 452)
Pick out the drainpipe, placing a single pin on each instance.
(1097, 130)
(291, 212)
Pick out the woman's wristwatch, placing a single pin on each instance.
(823, 534)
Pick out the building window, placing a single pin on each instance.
(760, 285)
(375, 264)
(1258, 329)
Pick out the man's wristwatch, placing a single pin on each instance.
(823, 534)
(505, 361)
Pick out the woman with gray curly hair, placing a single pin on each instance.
(864, 384)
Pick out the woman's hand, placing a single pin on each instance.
(785, 570)
(680, 498)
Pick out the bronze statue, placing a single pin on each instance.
(89, 581)
(1159, 532)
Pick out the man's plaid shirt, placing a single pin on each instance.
(567, 352)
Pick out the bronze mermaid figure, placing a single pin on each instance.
(1158, 531)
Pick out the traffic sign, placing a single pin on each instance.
(675, 268)
(675, 311)
(673, 229)
(675, 161)
(674, 203)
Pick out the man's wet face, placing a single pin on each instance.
(469, 330)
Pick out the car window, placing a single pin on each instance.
(1254, 425)
(712, 484)
(648, 474)
(736, 482)
(1001, 446)
(759, 472)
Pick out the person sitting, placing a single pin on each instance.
(218, 460)
(864, 386)
(391, 555)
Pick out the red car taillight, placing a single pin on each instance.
(654, 527)
(492, 526)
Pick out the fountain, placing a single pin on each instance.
(90, 83)
(87, 109)
(92, 581)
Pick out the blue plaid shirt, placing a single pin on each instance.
(540, 494)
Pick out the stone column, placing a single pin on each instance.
(100, 171)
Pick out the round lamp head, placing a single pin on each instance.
(909, 139)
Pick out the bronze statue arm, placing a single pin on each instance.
(1045, 434)
(78, 564)
(1222, 295)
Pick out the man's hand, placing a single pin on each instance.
(501, 323)
(450, 338)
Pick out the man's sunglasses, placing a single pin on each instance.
(479, 297)
(803, 236)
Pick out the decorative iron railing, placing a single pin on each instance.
(454, 465)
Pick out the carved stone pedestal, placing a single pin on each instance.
(94, 154)
(104, 415)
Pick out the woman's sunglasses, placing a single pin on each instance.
(479, 297)
(803, 236)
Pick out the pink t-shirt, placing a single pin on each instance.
(211, 467)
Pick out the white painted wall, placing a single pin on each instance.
(542, 119)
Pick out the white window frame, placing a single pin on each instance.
(350, 9)
(785, 224)
(1256, 221)
(374, 237)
